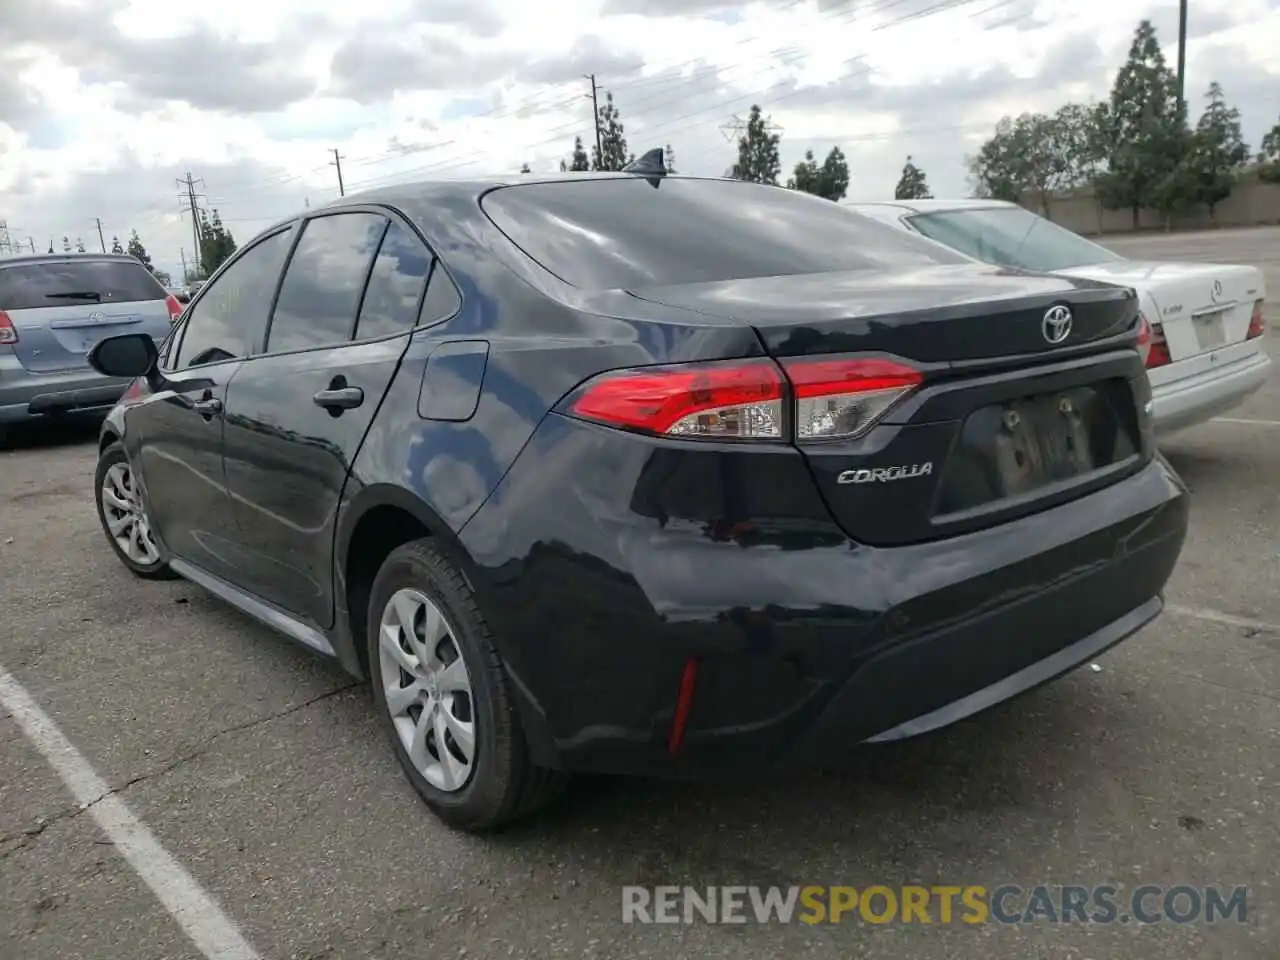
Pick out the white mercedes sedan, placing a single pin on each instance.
(1204, 320)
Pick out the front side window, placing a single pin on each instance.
(1011, 237)
(395, 286)
(633, 232)
(324, 282)
(228, 319)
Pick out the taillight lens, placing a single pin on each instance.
(1144, 337)
(1257, 325)
(175, 308)
(843, 399)
(7, 332)
(736, 400)
(749, 399)
(1157, 348)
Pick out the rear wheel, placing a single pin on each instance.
(443, 697)
(123, 514)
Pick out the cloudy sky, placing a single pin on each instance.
(105, 103)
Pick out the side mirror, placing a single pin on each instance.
(127, 355)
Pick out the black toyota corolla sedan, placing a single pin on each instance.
(644, 473)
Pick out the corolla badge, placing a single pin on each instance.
(886, 474)
(1056, 325)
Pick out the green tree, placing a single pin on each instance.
(579, 160)
(1217, 153)
(612, 153)
(1145, 136)
(830, 180)
(669, 159)
(136, 250)
(912, 185)
(1269, 156)
(66, 244)
(1026, 157)
(524, 168)
(115, 245)
(216, 242)
(758, 159)
(79, 245)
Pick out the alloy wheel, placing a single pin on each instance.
(427, 689)
(127, 517)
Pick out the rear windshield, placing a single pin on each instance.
(61, 283)
(627, 233)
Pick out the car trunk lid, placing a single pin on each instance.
(999, 420)
(1201, 307)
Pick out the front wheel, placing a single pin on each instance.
(444, 698)
(123, 514)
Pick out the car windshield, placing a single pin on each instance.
(631, 232)
(1011, 237)
(61, 283)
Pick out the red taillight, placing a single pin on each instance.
(7, 332)
(745, 399)
(1144, 337)
(1156, 347)
(734, 400)
(843, 399)
(1257, 325)
(175, 308)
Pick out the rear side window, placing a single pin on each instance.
(632, 232)
(229, 317)
(61, 283)
(324, 281)
(395, 285)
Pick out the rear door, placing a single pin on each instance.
(176, 433)
(298, 412)
(60, 307)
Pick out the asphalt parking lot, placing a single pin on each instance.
(261, 772)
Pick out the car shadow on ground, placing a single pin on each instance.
(50, 434)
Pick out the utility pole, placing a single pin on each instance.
(595, 115)
(190, 183)
(1182, 54)
(337, 162)
(182, 252)
(31, 241)
(101, 240)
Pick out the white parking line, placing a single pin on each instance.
(1217, 616)
(1251, 423)
(199, 916)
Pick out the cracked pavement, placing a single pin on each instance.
(262, 771)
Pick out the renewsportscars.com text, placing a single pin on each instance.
(938, 904)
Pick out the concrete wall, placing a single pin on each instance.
(1252, 203)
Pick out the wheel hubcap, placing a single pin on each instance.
(427, 689)
(126, 517)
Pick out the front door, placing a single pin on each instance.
(297, 414)
(176, 436)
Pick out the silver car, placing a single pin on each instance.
(53, 308)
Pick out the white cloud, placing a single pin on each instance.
(103, 103)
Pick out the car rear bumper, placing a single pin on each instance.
(1192, 400)
(805, 646)
(30, 396)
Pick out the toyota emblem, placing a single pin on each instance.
(1056, 325)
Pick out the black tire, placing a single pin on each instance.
(504, 785)
(111, 455)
